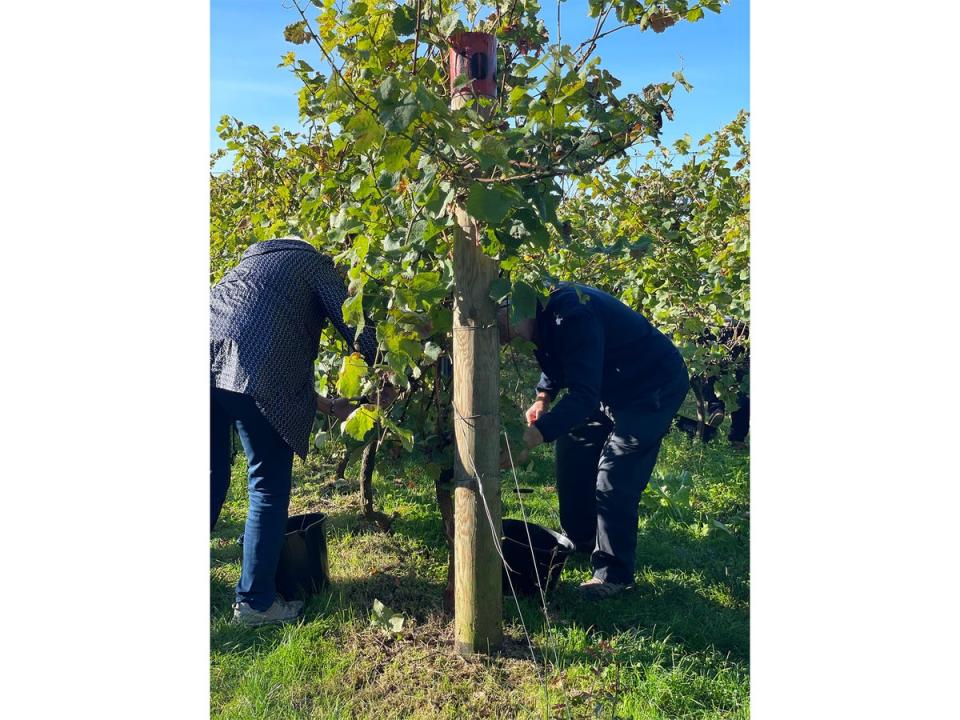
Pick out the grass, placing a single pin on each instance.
(676, 646)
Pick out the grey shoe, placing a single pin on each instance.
(597, 589)
(281, 611)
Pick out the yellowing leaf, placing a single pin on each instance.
(353, 371)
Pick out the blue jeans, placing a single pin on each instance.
(269, 468)
(603, 467)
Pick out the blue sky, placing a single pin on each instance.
(247, 43)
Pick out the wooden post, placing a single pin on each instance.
(478, 613)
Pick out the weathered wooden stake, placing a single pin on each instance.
(478, 623)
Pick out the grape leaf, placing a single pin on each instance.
(361, 421)
(353, 371)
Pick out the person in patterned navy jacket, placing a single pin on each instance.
(624, 381)
(266, 316)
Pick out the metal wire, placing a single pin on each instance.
(533, 556)
(496, 545)
(473, 328)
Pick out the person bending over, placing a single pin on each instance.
(624, 382)
(266, 316)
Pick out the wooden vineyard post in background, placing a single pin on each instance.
(478, 622)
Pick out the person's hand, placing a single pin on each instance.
(539, 407)
(532, 438)
(342, 408)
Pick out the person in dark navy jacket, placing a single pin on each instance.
(624, 382)
(266, 316)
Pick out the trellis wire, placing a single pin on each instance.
(533, 557)
(497, 546)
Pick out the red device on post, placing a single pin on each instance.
(474, 54)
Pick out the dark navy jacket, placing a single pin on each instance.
(601, 351)
(266, 315)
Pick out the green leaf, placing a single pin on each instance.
(353, 371)
(353, 312)
(404, 20)
(695, 14)
(395, 623)
(425, 282)
(523, 302)
(393, 241)
(361, 246)
(491, 151)
(488, 203)
(404, 113)
(517, 95)
(389, 90)
(449, 23)
(361, 421)
(405, 436)
(678, 76)
(499, 289)
(417, 231)
(386, 181)
(386, 619)
(365, 130)
(396, 151)
(442, 319)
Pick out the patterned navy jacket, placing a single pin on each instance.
(266, 315)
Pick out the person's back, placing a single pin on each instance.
(266, 317)
(636, 358)
(266, 307)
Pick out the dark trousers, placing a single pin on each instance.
(270, 463)
(739, 418)
(603, 467)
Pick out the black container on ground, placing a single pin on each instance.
(550, 549)
(303, 569)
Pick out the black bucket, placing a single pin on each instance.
(303, 569)
(550, 549)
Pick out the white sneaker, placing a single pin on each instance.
(280, 612)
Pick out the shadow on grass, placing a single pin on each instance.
(341, 602)
(694, 590)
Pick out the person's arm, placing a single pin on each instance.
(581, 352)
(339, 408)
(540, 405)
(548, 387)
(324, 405)
(332, 294)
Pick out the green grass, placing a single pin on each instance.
(676, 646)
